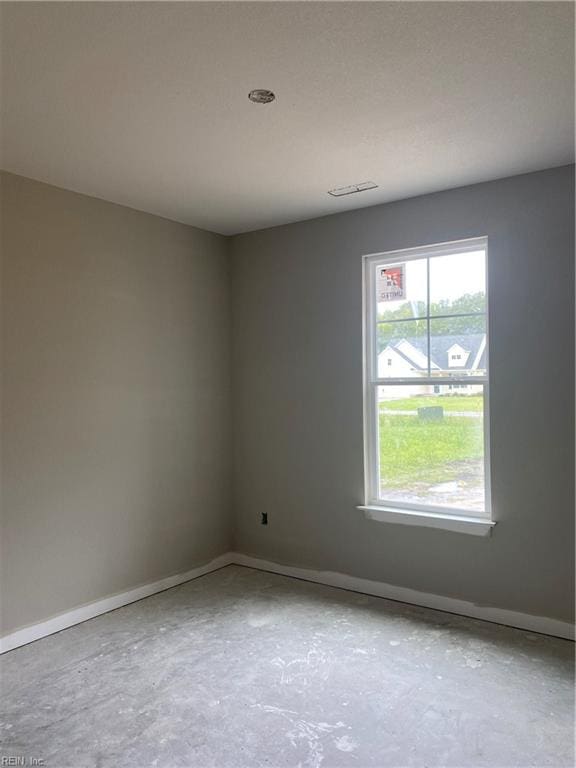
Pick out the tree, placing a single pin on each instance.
(388, 330)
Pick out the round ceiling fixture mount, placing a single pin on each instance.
(261, 96)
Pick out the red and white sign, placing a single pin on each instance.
(391, 285)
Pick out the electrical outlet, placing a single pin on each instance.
(264, 518)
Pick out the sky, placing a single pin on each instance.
(451, 276)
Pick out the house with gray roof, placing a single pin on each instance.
(457, 355)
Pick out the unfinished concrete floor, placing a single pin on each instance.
(245, 668)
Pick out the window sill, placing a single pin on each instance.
(458, 523)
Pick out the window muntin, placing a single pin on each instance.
(427, 410)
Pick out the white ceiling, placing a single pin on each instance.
(145, 104)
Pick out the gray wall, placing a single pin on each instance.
(115, 398)
(297, 395)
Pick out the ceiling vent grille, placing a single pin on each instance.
(352, 189)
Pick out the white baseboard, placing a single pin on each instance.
(89, 611)
(525, 621)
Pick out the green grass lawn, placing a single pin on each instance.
(449, 403)
(416, 452)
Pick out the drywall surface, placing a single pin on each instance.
(115, 399)
(297, 395)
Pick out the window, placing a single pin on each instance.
(426, 429)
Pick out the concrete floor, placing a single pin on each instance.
(244, 668)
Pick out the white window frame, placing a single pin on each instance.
(375, 506)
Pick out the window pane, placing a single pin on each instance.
(458, 283)
(402, 349)
(405, 279)
(458, 347)
(431, 447)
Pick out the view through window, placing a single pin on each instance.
(426, 378)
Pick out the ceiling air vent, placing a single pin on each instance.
(352, 189)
